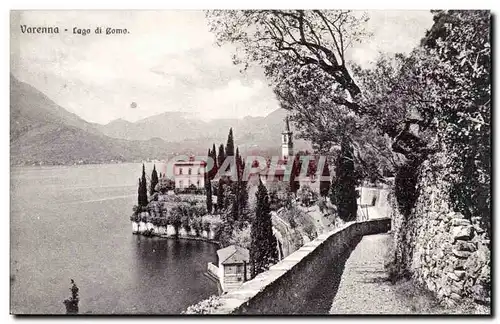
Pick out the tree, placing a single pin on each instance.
(230, 143)
(220, 195)
(263, 246)
(240, 165)
(142, 199)
(208, 191)
(343, 191)
(294, 182)
(72, 302)
(303, 54)
(324, 185)
(214, 158)
(213, 155)
(243, 211)
(221, 157)
(154, 181)
(164, 185)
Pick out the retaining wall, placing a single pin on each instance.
(289, 284)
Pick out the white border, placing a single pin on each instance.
(185, 4)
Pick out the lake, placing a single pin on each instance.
(72, 222)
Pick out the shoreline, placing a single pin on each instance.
(182, 237)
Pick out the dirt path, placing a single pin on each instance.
(364, 288)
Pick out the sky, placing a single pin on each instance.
(167, 62)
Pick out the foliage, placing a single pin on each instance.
(221, 156)
(142, 195)
(263, 251)
(164, 185)
(154, 181)
(405, 187)
(294, 182)
(299, 219)
(461, 41)
(343, 192)
(324, 185)
(208, 192)
(230, 144)
(241, 237)
(220, 195)
(307, 196)
(72, 302)
(206, 306)
(213, 155)
(240, 164)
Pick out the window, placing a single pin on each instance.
(180, 170)
(189, 171)
(180, 183)
(198, 183)
(199, 170)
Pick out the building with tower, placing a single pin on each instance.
(286, 141)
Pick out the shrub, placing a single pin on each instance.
(307, 196)
(196, 224)
(300, 220)
(241, 237)
(206, 306)
(164, 185)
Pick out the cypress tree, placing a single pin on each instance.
(208, 191)
(324, 185)
(220, 196)
(221, 157)
(294, 183)
(143, 190)
(72, 302)
(213, 155)
(230, 144)
(343, 191)
(263, 248)
(209, 172)
(154, 181)
(139, 193)
(239, 164)
(243, 201)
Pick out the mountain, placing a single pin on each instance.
(171, 126)
(43, 132)
(254, 135)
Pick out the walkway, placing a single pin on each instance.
(364, 287)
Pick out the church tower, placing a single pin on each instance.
(286, 141)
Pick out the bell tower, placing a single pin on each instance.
(286, 141)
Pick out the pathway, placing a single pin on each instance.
(364, 287)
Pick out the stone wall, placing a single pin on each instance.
(287, 286)
(448, 254)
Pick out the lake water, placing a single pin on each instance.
(73, 223)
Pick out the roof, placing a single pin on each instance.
(187, 163)
(233, 254)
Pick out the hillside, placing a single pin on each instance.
(253, 135)
(42, 132)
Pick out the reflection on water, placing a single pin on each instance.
(72, 223)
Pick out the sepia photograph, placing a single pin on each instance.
(250, 162)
